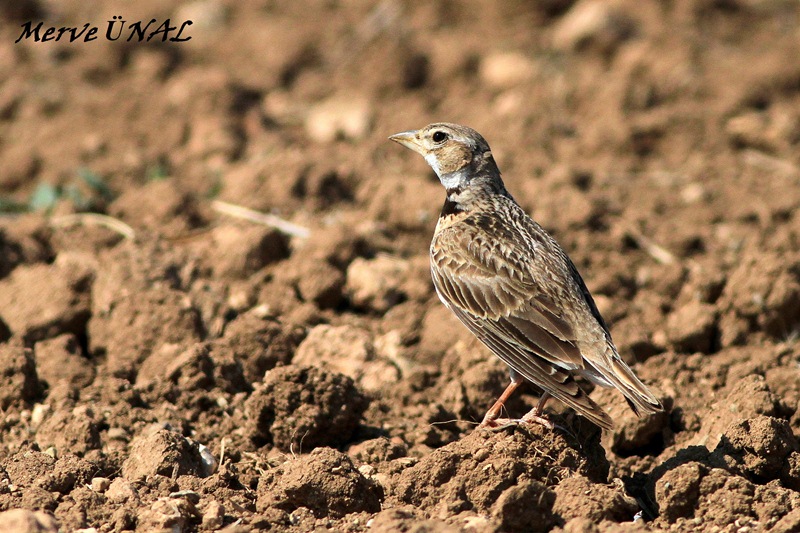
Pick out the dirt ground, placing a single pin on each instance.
(176, 367)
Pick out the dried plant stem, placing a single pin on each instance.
(94, 219)
(258, 217)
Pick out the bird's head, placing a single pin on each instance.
(456, 153)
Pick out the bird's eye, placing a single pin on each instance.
(439, 136)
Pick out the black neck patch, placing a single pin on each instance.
(451, 207)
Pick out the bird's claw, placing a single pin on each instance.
(500, 424)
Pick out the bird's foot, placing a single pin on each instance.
(499, 424)
(536, 418)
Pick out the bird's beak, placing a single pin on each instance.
(408, 139)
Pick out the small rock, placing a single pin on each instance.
(24, 521)
(747, 397)
(76, 430)
(210, 463)
(325, 482)
(240, 251)
(576, 497)
(121, 491)
(376, 284)
(592, 22)
(757, 447)
(38, 414)
(100, 484)
(506, 69)
(204, 14)
(213, 516)
(300, 408)
(693, 193)
(514, 510)
(339, 117)
(162, 206)
(42, 301)
(19, 382)
(163, 452)
(171, 514)
(692, 327)
(322, 284)
(342, 349)
(678, 490)
(59, 361)
(751, 129)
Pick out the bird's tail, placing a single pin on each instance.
(636, 393)
(571, 395)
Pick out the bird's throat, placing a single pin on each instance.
(453, 180)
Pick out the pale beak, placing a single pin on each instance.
(409, 140)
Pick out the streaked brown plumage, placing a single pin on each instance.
(513, 286)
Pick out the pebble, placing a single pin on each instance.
(18, 520)
(204, 14)
(210, 463)
(591, 21)
(213, 516)
(376, 283)
(339, 117)
(121, 490)
(100, 484)
(506, 69)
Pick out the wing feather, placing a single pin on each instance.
(556, 382)
(468, 278)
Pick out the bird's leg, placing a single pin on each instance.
(490, 420)
(537, 413)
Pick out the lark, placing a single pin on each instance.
(510, 283)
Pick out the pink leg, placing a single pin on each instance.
(490, 420)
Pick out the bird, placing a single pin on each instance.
(513, 286)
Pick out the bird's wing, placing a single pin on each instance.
(495, 284)
(490, 288)
(555, 381)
